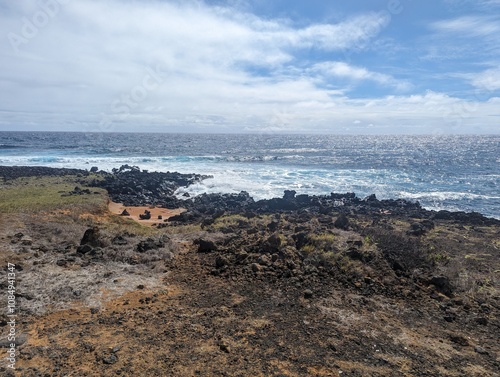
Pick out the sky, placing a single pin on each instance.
(251, 66)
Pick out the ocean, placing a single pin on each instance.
(457, 173)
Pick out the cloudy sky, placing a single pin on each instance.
(277, 66)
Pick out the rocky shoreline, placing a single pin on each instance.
(134, 187)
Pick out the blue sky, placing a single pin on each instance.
(315, 66)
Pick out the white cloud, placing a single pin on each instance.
(483, 4)
(469, 26)
(463, 46)
(344, 70)
(217, 69)
(90, 55)
(462, 38)
(488, 80)
(352, 33)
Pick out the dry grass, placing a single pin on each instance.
(35, 194)
(184, 229)
(54, 275)
(463, 255)
(234, 221)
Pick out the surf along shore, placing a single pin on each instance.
(225, 285)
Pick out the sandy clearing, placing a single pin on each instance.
(117, 208)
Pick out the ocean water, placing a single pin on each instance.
(441, 172)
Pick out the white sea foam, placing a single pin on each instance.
(261, 181)
(264, 178)
(446, 195)
(298, 150)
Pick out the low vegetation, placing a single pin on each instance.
(35, 194)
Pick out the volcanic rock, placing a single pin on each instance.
(91, 237)
(146, 215)
(442, 284)
(205, 246)
(289, 194)
(149, 244)
(342, 222)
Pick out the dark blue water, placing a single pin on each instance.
(442, 172)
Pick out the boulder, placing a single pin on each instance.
(109, 360)
(272, 244)
(371, 198)
(308, 294)
(419, 229)
(480, 350)
(241, 256)
(442, 284)
(256, 267)
(91, 237)
(145, 216)
(289, 194)
(459, 339)
(416, 229)
(205, 246)
(149, 244)
(342, 222)
(263, 260)
(273, 225)
(119, 240)
(354, 254)
(301, 239)
(84, 249)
